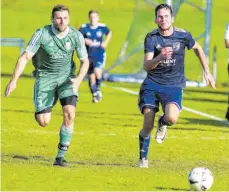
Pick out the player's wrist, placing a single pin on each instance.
(13, 81)
(207, 71)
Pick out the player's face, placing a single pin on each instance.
(94, 18)
(164, 19)
(61, 20)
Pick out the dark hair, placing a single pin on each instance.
(161, 6)
(92, 11)
(59, 8)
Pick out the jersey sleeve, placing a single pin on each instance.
(148, 44)
(80, 47)
(106, 30)
(81, 29)
(190, 42)
(35, 42)
(227, 32)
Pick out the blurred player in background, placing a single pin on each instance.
(51, 49)
(164, 63)
(96, 43)
(227, 46)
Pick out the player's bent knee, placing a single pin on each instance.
(69, 116)
(171, 119)
(147, 110)
(43, 117)
(42, 121)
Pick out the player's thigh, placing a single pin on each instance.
(45, 98)
(98, 72)
(148, 99)
(91, 67)
(68, 100)
(66, 94)
(171, 100)
(100, 62)
(45, 95)
(91, 78)
(172, 112)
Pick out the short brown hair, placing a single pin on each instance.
(59, 7)
(92, 11)
(163, 6)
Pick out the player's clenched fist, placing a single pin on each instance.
(166, 52)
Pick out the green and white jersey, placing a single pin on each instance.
(54, 55)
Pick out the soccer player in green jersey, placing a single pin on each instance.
(51, 49)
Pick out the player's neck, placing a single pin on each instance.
(167, 32)
(93, 26)
(59, 34)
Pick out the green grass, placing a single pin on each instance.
(104, 151)
(22, 18)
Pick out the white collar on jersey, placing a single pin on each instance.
(94, 27)
(63, 35)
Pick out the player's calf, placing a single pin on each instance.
(144, 142)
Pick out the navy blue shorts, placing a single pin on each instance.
(96, 62)
(151, 94)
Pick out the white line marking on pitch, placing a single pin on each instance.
(184, 108)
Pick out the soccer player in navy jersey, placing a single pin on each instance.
(97, 36)
(227, 46)
(164, 62)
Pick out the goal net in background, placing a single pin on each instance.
(128, 67)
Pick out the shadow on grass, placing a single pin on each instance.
(171, 189)
(88, 113)
(206, 91)
(180, 128)
(205, 100)
(205, 122)
(49, 162)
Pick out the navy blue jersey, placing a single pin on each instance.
(96, 34)
(170, 71)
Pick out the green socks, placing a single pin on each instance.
(65, 139)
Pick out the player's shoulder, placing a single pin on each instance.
(153, 33)
(43, 29)
(102, 25)
(74, 30)
(177, 29)
(181, 33)
(85, 25)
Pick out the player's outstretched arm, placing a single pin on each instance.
(207, 74)
(19, 68)
(81, 74)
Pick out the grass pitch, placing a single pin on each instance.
(104, 151)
